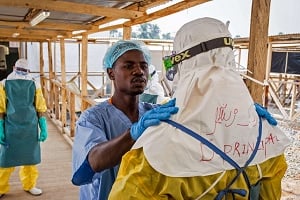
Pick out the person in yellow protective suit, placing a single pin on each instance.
(22, 112)
(223, 126)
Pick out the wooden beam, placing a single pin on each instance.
(45, 33)
(47, 25)
(150, 17)
(142, 6)
(146, 4)
(71, 7)
(258, 47)
(33, 39)
(165, 12)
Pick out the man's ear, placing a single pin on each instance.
(111, 74)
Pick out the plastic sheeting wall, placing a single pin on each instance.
(285, 62)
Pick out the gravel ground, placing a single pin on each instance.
(291, 180)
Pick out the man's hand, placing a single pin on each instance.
(152, 118)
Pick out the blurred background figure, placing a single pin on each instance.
(22, 113)
(154, 92)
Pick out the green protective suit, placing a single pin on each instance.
(150, 98)
(21, 126)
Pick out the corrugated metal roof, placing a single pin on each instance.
(73, 15)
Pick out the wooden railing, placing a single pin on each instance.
(284, 91)
(65, 104)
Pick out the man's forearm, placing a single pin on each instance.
(109, 154)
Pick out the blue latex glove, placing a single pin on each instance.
(262, 112)
(44, 130)
(2, 136)
(152, 118)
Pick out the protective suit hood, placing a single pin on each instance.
(214, 102)
(22, 63)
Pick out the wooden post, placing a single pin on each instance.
(56, 90)
(41, 60)
(72, 114)
(293, 99)
(84, 92)
(126, 36)
(42, 75)
(268, 70)
(25, 51)
(63, 80)
(51, 77)
(258, 47)
(127, 32)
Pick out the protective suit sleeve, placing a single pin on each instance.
(2, 136)
(152, 118)
(44, 129)
(40, 102)
(2, 99)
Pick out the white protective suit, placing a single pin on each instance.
(154, 92)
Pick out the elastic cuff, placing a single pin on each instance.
(84, 174)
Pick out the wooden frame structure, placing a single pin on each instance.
(280, 89)
(75, 20)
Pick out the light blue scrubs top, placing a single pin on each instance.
(98, 124)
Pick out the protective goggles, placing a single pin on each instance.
(22, 69)
(171, 62)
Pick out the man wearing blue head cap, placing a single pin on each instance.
(105, 132)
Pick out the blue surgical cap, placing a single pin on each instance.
(121, 47)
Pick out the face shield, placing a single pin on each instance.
(171, 62)
(22, 71)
